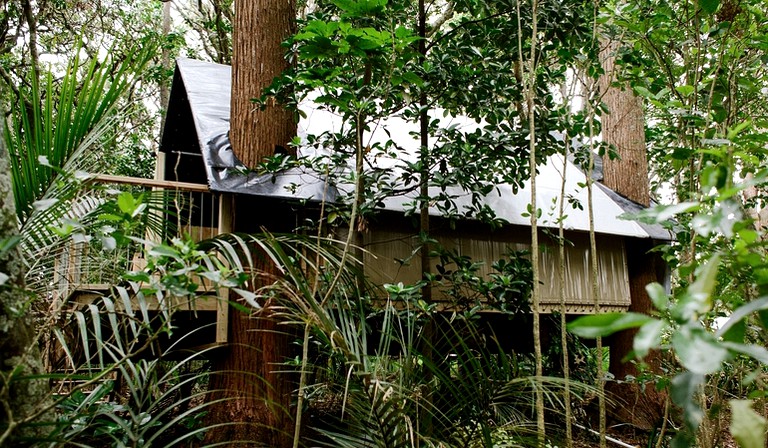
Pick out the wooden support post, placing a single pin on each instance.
(226, 215)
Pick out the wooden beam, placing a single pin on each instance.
(87, 294)
(226, 224)
(154, 183)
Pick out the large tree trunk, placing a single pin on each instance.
(250, 378)
(257, 58)
(624, 127)
(258, 397)
(21, 398)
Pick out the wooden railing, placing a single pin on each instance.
(82, 275)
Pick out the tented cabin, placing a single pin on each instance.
(195, 151)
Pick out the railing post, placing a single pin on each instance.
(226, 214)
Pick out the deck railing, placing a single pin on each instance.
(185, 209)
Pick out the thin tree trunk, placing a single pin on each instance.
(529, 79)
(594, 276)
(166, 60)
(257, 396)
(424, 224)
(34, 56)
(561, 266)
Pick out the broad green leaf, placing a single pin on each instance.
(697, 300)
(685, 90)
(747, 426)
(736, 333)
(754, 351)
(597, 325)
(642, 91)
(742, 312)
(161, 250)
(413, 78)
(736, 130)
(706, 280)
(658, 296)
(648, 337)
(684, 390)
(709, 6)
(698, 350)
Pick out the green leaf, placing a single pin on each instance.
(742, 312)
(126, 202)
(709, 6)
(597, 325)
(658, 295)
(706, 280)
(413, 78)
(642, 91)
(736, 332)
(162, 250)
(698, 350)
(747, 426)
(734, 131)
(648, 337)
(685, 90)
(684, 390)
(754, 351)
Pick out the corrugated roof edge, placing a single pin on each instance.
(630, 207)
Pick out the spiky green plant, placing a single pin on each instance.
(56, 135)
(373, 395)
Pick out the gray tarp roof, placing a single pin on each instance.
(206, 88)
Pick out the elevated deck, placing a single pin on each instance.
(82, 276)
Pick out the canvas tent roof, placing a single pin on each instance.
(200, 99)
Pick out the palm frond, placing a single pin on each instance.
(66, 122)
(54, 140)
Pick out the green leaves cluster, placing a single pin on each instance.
(683, 327)
(699, 66)
(506, 288)
(361, 61)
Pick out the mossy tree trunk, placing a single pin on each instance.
(23, 401)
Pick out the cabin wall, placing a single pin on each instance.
(392, 257)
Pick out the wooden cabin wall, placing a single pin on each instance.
(392, 257)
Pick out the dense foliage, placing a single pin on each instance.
(87, 98)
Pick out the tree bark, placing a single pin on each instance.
(20, 398)
(257, 396)
(641, 408)
(257, 58)
(249, 379)
(624, 127)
